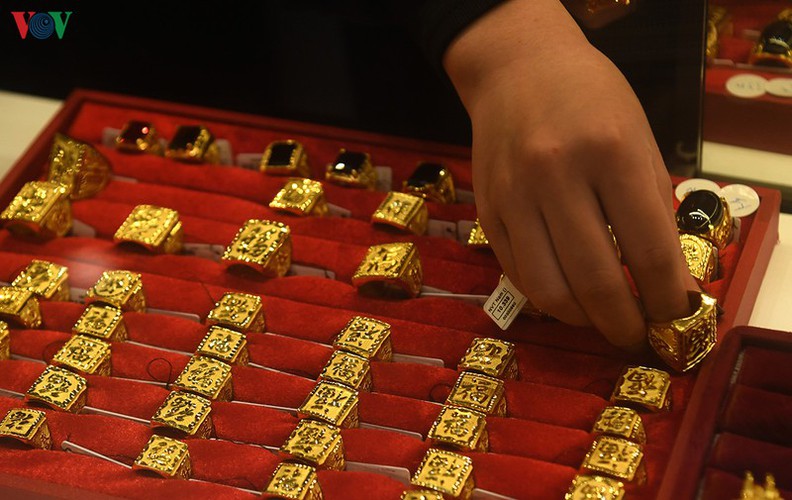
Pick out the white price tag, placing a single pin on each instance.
(249, 161)
(504, 304)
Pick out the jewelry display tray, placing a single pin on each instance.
(566, 374)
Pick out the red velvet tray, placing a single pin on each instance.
(739, 419)
(566, 374)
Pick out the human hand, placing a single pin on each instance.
(561, 149)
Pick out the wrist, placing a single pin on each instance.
(514, 38)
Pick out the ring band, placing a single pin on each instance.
(684, 343)
(432, 181)
(193, 144)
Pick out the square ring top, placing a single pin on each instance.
(165, 456)
(645, 387)
(262, 245)
(118, 288)
(20, 305)
(240, 311)
(40, 209)
(85, 355)
(45, 279)
(390, 268)
(60, 389)
(491, 357)
(138, 137)
(478, 392)
(301, 196)
(155, 228)
(78, 167)
(446, 472)
(294, 481)
(332, 403)
(186, 412)
(402, 211)
(366, 337)
(616, 457)
(206, 377)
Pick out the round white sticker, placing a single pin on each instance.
(686, 187)
(780, 87)
(742, 199)
(746, 85)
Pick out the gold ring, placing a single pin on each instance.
(643, 387)
(491, 357)
(84, 355)
(261, 245)
(46, 280)
(188, 413)
(432, 181)
(352, 169)
(461, 429)
(193, 144)
(616, 457)
(165, 456)
(59, 389)
(121, 289)
(586, 487)
(225, 345)
(20, 305)
(403, 211)
(478, 392)
(619, 421)
(705, 214)
(285, 158)
(446, 472)
(102, 322)
(138, 137)
(40, 209)
(301, 197)
(155, 228)
(78, 167)
(685, 342)
(390, 269)
(477, 238)
(317, 444)
(27, 426)
(239, 311)
(294, 482)
(348, 369)
(206, 377)
(333, 403)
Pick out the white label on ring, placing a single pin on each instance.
(746, 85)
(504, 304)
(441, 229)
(780, 87)
(742, 199)
(384, 179)
(686, 187)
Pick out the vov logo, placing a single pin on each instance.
(41, 25)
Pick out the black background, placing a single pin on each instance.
(345, 63)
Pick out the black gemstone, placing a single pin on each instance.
(777, 38)
(185, 137)
(349, 162)
(134, 131)
(281, 154)
(426, 174)
(698, 210)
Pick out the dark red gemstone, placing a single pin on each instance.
(134, 131)
(185, 137)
